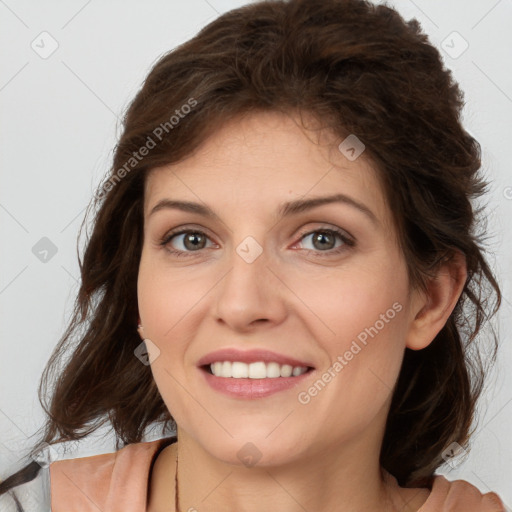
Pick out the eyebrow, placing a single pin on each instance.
(285, 210)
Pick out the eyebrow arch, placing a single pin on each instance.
(301, 205)
(285, 210)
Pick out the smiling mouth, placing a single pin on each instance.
(255, 370)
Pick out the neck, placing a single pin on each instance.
(323, 482)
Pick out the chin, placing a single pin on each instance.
(254, 449)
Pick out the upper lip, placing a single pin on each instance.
(249, 356)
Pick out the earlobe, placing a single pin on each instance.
(436, 305)
(140, 329)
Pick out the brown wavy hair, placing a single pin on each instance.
(359, 69)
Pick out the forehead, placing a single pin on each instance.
(264, 159)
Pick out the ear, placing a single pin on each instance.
(432, 309)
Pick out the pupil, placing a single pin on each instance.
(192, 238)
(322, 236)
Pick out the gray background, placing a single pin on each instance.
(60, 121)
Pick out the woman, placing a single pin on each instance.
(283, 265)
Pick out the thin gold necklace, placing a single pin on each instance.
(176, 499)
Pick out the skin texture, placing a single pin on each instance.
(297, 298)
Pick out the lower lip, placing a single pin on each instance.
(252, 388)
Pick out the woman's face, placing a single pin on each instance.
(323, 286)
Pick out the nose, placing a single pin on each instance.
(251, 293)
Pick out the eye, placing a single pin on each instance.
(186, 240)
(324, 241)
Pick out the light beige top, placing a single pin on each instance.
(119, 482)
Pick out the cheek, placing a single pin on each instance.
(360, 322)
(348, 300)
(166, 297)
(162, 302)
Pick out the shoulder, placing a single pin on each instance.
(84, 481)
(460, 495)
(90, 483)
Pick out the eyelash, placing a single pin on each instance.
(347, 242)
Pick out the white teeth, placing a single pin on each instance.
(286, 370)
(296, 371)
(226, 368)
(273, 370)
(217, 368)
(239, 370)
(257, 370)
